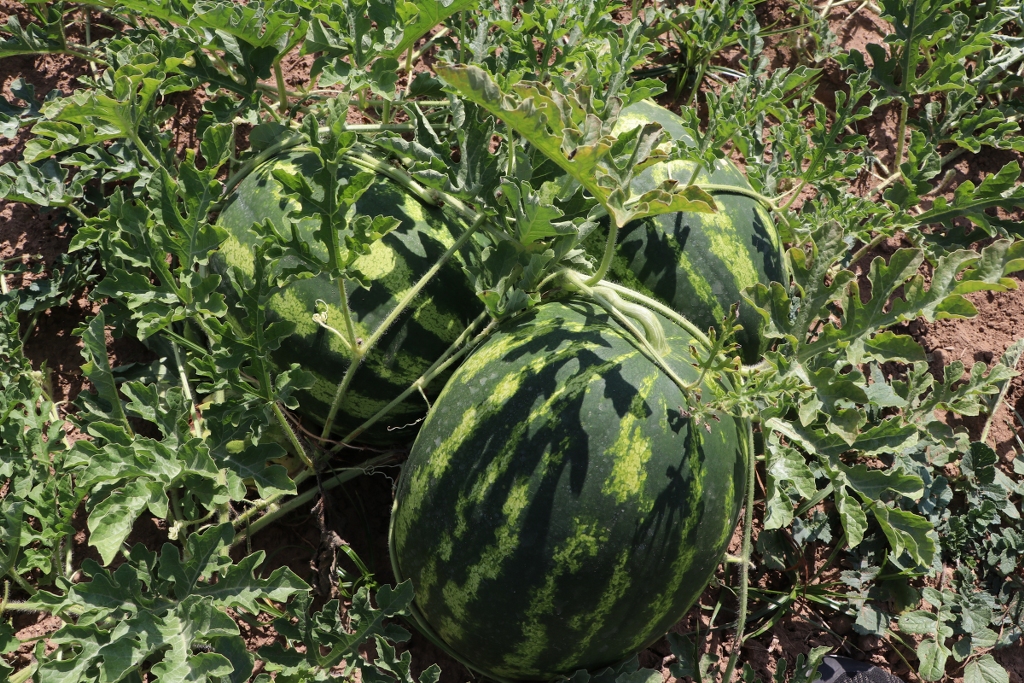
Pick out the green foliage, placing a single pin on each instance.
(153, 610)
(511, 128)
(32, 435)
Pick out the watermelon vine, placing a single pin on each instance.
(467, 241)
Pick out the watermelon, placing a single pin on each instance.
(697, 263)
(558, 509)
(415, 341)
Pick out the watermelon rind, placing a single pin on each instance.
(697, 263)
(559, 510)
(421, 335)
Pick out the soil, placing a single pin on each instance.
(357, 513)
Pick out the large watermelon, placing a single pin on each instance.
(697, 263)
(558, 510)
(416, 340)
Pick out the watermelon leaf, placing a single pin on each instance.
(535, 220)
(567, 130)
(985, 669)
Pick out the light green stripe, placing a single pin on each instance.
(443, 449)
(443, 326)
(632, 450)
(484, 360)
(459, 597)
(663, 599)
(540, 414)
(237, 254)
(383, 265)
(491, 564)
(569, 557)
(700, 284)
(587, 625)
(727, 245)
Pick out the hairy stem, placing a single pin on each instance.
(346, 314)
(364, 349)
(696, 172)
(402, 177)
(282, 90)
(25, 674)
(286, 143)
(444, 30)
(452, 354)
(422, 282)
(388, 127)
(748, 523)
(863, 251)
(279, 511)
(268, 503)
(795, 194)
(574, 281)
(197, 419)
(31, 327)
(608, 256)
(339, 394)
(22, 583)
(78, 212)
(282, 421)
(901, 134)
(154, 162)
(699, 336)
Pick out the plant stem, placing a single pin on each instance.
(197, 419)
(608, 256)
(388, 127)
(576, 282)
(403, 178)
(250, 164)
(78, 212)
(290, 433)
(863, 251)
(698, 167)
(444, 30)
(748, 523)
(154, 162)
(361, 351)
(269, 503)
(767, 202)
(22, 583)
(279, 511)
(282, 91)
(346, 313)
(696, 83)
(994, 404)
(462, 43)
(664, 310)
(959, 151)
(422, 282)
(452, 354)
(339, 394)
(901, 133)
(25, 674)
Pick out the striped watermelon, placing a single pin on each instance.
(557, 510)
(697, 263)
(430, 325)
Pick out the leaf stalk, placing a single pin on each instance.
(748, 523)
